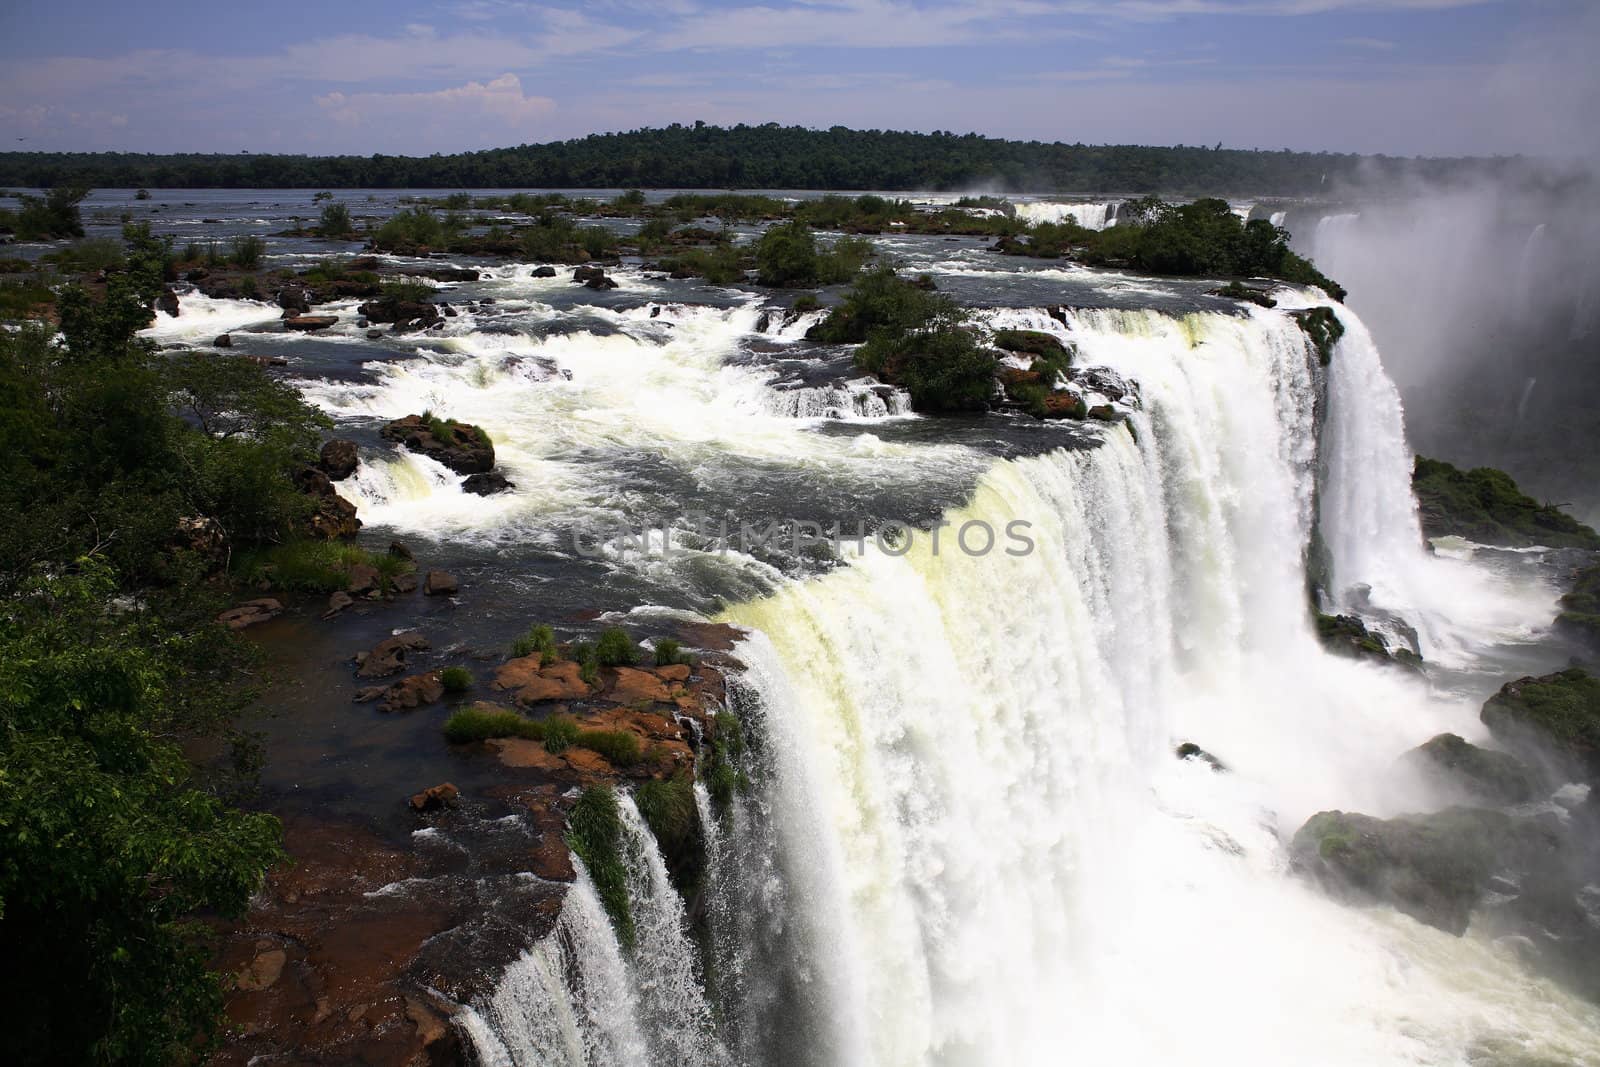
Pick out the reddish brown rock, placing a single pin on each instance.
(362, 578)
(629, 685)
(310, 323)
(673, 672)
(535, 684)
(412, 692)
(440, 583)
(250, 612)
(389, 655)
(338, 459)
(435, 797)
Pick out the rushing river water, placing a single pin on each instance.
(967, 840)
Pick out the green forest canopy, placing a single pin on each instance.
(757, 157)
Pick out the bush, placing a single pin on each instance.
(540, 639)
(722, 265)
(594, 833)
(305, 565)
(787, 255)
(558, 732)
(22, 298)
(597, 241)
(335, 221)
(247, 252)
(249, 288)
(88, 256)
(456, 679)
(620, 747)
(669, 652)
(410, 230)
(54, 215)
(615, 649)
(668, 807)
(807, 302)
(843, 261)
(407, 291)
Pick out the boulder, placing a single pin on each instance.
(1473, 774)
(435, 797)
(363, 579)
(404, 314)
(543, 272)
(1347, 635)
(407, 693)
(223, 341)
(310, 323)
(534, 683)
(464, 448)
(399, 550)
(442, 274)
(1190, 750)
(593, 277)
(293, 301)
(1553, 722)
(486, 484)
(389, 655)
(337, 603)
(405, 582)
(338, 459)
(440, 583)
(1435, 868)
(250, 612)
(167, 302)
(333, 516)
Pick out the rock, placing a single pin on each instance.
(543, 272)
(363, 578)
(389, 655)
(1580, 608)
(223, 341)
(373, 335)
(1347, 635)
(442, 274)
(262, 971)
(399, 550)
(337, 603)
(405, 582)
(1553, 722)
(1435, 868)
(1063, 404)
(1034, 343)
(673, 672)
(267, 361)
(486, 484)
(487, 300)
(1190, 750)
(168, 302)
(334, 516)
(440, 583)
(404, 314)
(593, 277)
(338, 459)
(450, 312)
(293, 301)
(630, 685)
(250, 612)
(412, 692)
(535, 684)
(435, 797)
(1104, 413)
(310, 323)
(464, 448)
(1473, 774)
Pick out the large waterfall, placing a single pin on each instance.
(968, 839)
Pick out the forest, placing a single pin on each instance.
(769, 156)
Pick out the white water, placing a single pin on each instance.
(973, 755)
(578, 997)
(1091, 216)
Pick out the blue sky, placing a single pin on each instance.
(1398, 76)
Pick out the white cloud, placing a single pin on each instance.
(501, 99)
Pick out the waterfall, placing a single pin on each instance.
(1091, 216)
(577, 997)
(1010, 864)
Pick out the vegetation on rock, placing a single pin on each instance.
(1485, 505)
(1323, 327)
(1347, 635)
(1480, 775)
(594, 833)
(1556, 716)
(1580, 607)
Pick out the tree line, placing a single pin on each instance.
(754, 157)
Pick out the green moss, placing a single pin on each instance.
(669, 809)
(1558, 713)
(1323, 327)
(1485, 505)
(594, 833)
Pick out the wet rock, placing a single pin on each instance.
(1190, 750)
(264, 970)
(338, 459)
(337, 602)
(1473, 774)
(1553, 721)
(442, 274)
(534, 683)
(362, 579)
(250, 612)
(167, 302)
(399, 550)
(412, 692)
(389, 656)
(435, 797)
(267, 361)
(373, 335)
(630, 685)
(334, 516)
(543, 272)
(223, 341)
(440, 583)
(593, 277)
(464, 448)
(1436, 868)
(1347, 635)
(293, 301)
(310, 323)
(486, 484)
(405, 582)
(403, 314)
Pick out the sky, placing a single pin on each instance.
(1403, 77)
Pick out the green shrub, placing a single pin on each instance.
(87, 256)
(407, 291)
(597, 241)
(653, 232)
(52, 216)
(249, 288)
(456, 679)
(305, 565)
(669, 652)
(668, 807)
(559, 733)
(843, 261)
(594, 833)
(21, 298)
(615, 649)
(480, 724)
(807, 302)
(409, 230)
(787, 255)
(540, 639)
(721, 265)
(247, 252)
(1485, 505)
(335, 221)
(620, 747)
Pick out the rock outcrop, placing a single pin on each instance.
(1472, 774)
(338, 459)
(464, 448)
(1553, 722)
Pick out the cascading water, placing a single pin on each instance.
(1091, 216)
(1010, 865)
(579, 997)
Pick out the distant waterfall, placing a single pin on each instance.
(1091, 216)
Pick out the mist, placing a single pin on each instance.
(1484, 297)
